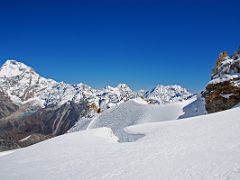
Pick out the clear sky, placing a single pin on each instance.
(138, 42)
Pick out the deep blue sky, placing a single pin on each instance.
(141, 43)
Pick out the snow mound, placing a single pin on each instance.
(137, 111)
(105, 133)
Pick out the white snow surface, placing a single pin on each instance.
(4, 153)
(200, 148)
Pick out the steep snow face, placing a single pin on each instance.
(12, 68)
(203, 147)
(22, 83)
(167, 94)
(137, 111)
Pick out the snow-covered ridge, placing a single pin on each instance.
(23, 85)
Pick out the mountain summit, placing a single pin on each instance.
(13, 68)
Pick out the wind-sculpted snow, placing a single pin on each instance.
(138, 111)
(199, 148)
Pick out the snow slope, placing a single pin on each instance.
(137, 111)
(4, 153)
(200, 148)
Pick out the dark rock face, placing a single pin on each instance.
(223, 91)
(30, 128)
(6, 106)
(55, 121)
(221, 96)
(7, 142)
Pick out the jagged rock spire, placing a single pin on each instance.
(220, 59)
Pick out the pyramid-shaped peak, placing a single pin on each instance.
(12, 68)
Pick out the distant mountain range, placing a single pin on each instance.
(23, 85)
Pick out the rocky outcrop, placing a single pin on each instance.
(218, 62)
(223, 91)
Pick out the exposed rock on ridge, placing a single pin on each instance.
(223, 91)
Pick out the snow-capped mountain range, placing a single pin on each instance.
(23, 85)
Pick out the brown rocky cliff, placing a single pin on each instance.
(223, 91)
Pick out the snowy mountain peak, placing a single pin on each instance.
(23, 84)
(12, 68)
(123, 86)
(165, 94)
